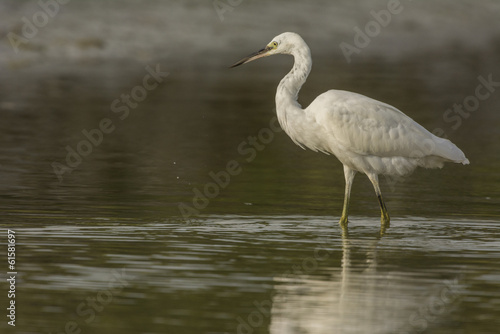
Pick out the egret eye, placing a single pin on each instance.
(275, 45)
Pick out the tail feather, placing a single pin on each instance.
(449, 151)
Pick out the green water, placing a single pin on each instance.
(239, 274)
(108, 251)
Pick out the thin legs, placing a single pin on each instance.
(385, 219)
(349, 177)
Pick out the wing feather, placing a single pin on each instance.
(365, 126)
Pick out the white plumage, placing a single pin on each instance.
(366, 135)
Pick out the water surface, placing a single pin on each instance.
(105, 247)
(287, 274)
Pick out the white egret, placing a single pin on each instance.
(366, 135)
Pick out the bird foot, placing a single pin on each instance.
(343, 221)
(385, 221)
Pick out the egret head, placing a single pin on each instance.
(281, 44)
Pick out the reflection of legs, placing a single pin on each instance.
(349, 177)
(384, 214)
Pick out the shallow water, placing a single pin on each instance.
(177, 222)
(238, 274)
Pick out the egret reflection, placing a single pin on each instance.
(358, 297)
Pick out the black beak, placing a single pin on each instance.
(253, 56)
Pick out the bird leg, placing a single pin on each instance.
(349, 177)
(384, 217)
(384, 214)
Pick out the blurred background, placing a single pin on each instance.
(66, 67)
(63, 79)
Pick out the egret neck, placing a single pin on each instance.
(289, 111)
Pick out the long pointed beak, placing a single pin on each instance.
(253, 56)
